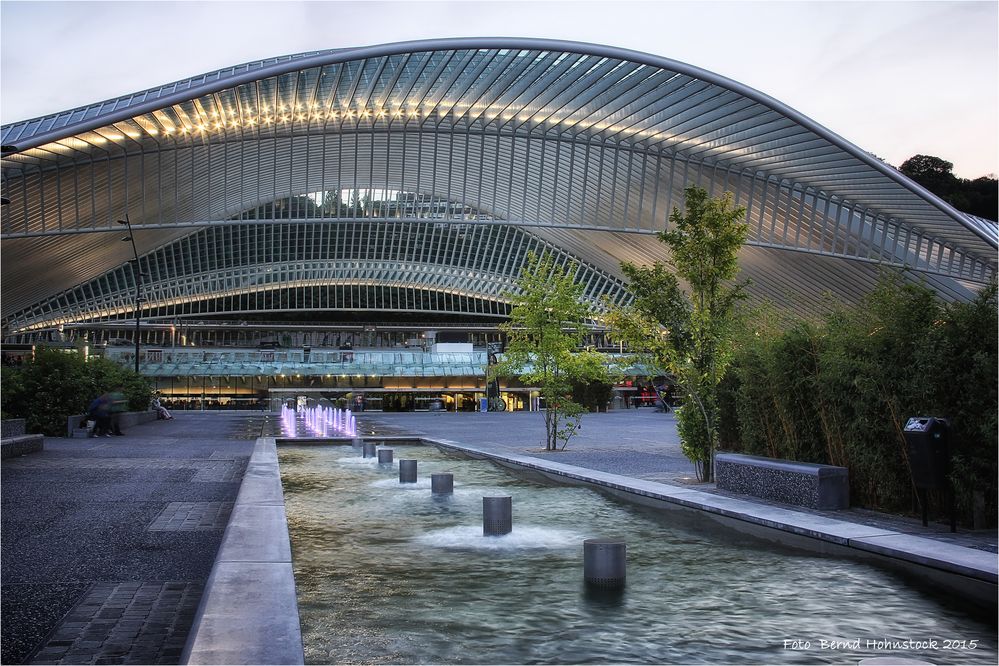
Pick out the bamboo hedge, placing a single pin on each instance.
(839, 390)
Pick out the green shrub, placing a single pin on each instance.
(57, 384)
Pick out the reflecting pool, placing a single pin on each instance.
(388, 573)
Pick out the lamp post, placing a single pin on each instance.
(138, 284)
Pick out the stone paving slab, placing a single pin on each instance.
(261, 484)
(125, 623)
(249, 613)
(229, 471)
(232, 630)
(192, 516)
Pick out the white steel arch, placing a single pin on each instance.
(579, 142)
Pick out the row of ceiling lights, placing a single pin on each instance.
(158, 124)
(285, 114)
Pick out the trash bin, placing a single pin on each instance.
(926, 438)
(483, 404)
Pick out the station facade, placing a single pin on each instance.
(347, 225)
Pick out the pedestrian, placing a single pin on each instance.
(161, 411)
(118, 405)
(99, 412)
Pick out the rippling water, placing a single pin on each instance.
(387, 573)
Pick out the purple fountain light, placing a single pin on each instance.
(320, 421)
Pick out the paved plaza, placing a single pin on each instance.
(640, 442)
(108, 542)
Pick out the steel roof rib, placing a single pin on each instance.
(566, 138)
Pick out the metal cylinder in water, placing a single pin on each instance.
(605, 562)
(369, 450)
(442, 484)
(407, 471)
(497, 515)
(384, 456)
(357, 442)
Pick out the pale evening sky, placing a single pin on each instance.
(895, 78)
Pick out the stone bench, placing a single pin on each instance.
(12, 428)
(11, 447)
(825, 487)
(76, 426)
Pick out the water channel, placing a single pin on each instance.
(388, 573)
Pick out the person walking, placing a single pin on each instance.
(99, 412)
(118, 405)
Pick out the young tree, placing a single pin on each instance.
(544, 336)
(688, 333)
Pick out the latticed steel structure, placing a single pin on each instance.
(415, 177)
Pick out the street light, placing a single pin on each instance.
(138, 284)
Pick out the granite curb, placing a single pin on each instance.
(249, 611)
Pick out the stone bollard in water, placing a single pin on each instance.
(442, 484)
(605, 563)
(407, 471)
(497, 515)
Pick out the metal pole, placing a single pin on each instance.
(136, 326)
(137, 274)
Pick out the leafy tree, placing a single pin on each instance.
(931, 172)
(545, 332)
(978, 197)
(688, 333)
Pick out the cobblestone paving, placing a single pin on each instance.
(193, 516)
(125, 623)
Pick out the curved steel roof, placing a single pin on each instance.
(575, 142)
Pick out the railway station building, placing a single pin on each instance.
(347, 224)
